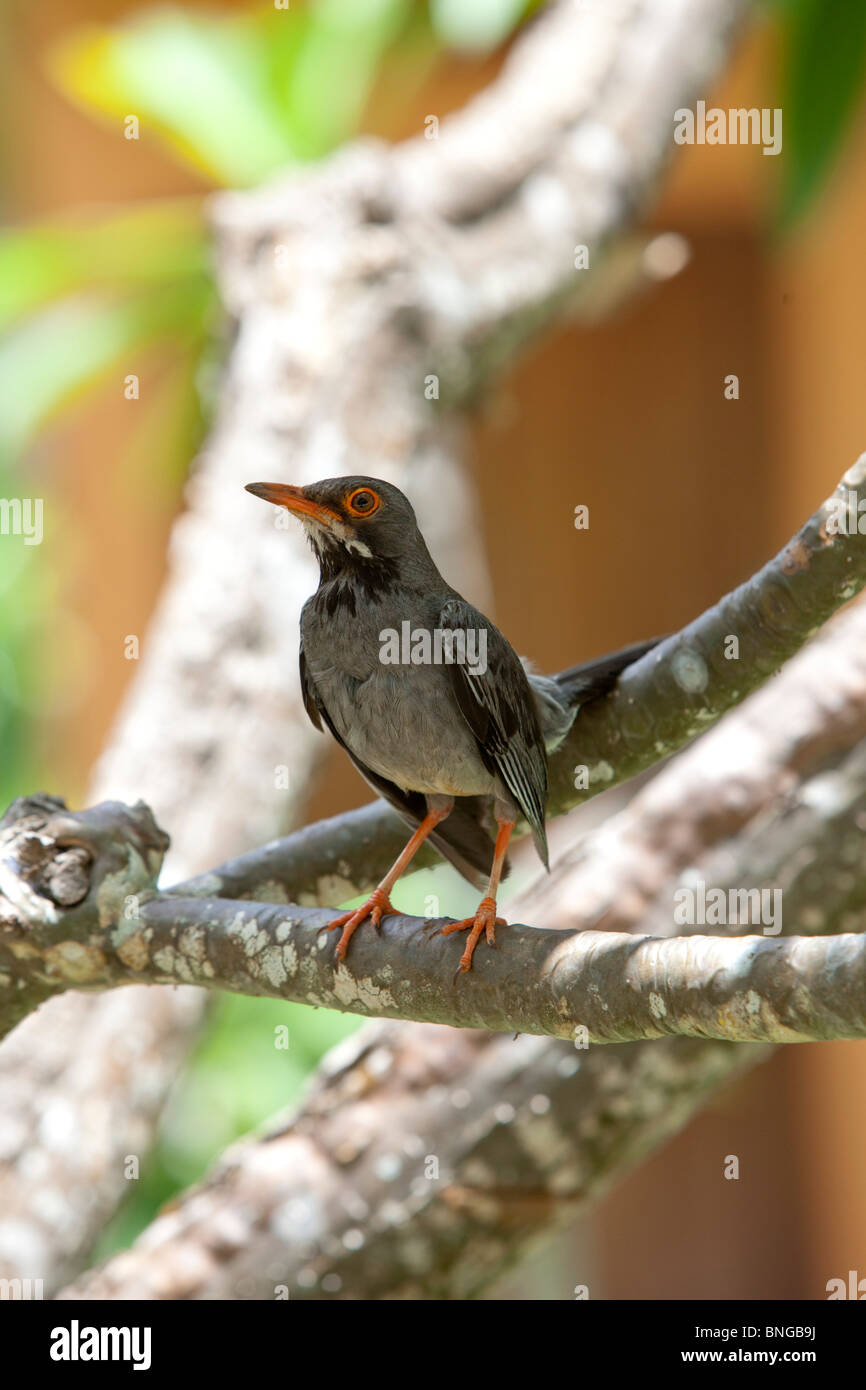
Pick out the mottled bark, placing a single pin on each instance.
(80, 1102)
(423, 1162)
(595, 986)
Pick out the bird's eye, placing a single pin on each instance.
(363, 501)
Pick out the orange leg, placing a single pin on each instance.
(485, 919)
(378, 905)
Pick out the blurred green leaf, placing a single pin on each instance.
(241, 96)
(50, 358)
(325, 89)
(822, 82)
(202, 83)
(153, 244)
(238, 96)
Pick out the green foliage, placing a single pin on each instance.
(324, 89)
(78, 300)
(119, 251)
(57, 354)
(239, 96)
(824, 63)
(82, 297)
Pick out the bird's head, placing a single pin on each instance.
(350, 520)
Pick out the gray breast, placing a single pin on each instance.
(401, 721)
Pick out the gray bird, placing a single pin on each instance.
(427, 697)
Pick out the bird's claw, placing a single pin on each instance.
(377, 906)
(484, 922)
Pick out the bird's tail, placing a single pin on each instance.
(559, 697)
(589, 680)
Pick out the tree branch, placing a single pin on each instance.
(618, 988)
(604, 987)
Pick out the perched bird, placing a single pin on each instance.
(427, 697)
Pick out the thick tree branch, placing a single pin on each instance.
(422, 1164)
(77, 1101)
(787, 770)
(603, 987)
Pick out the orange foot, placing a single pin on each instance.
(377, 906)
(486, 921)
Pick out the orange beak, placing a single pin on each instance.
(294, 498)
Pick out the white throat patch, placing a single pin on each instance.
(334, 536)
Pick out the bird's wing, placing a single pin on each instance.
(314, 709)
(461, 838)
(498, 705)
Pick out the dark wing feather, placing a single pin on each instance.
(461, 839)
(499, 707)
(308, 695)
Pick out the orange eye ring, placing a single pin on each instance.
(360, 495)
